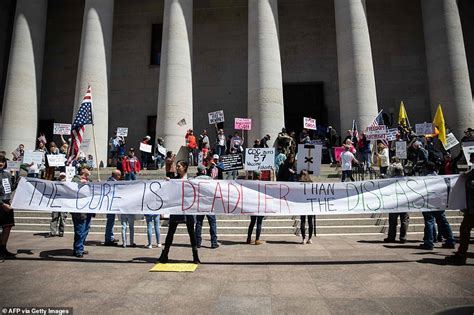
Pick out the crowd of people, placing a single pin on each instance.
(425, 156)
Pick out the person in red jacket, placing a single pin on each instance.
(131, 165)
(192, 146)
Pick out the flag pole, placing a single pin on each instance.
(95, 151)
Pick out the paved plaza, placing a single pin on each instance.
(334, 275)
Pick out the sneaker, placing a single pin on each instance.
(124, 245)
(448, 245)
(388, 240)
(403, 241)
(426, 247)
(249, 241)
(111, 243)
(149, 246)
(214, 246)
(309, 241)
(258, 242)
(456, 259)
(79, 255)
(303, 241)
(159, 245)
(8, 255)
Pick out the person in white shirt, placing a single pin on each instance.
(346, 163)
(383, 158)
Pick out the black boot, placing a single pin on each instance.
(164, 255)
(196, 256)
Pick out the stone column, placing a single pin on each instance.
(23, 82)
(94, 69)
(175, 94)
(446, 63)
(357, 94)
(265, 88)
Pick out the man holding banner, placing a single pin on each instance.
(7, 220)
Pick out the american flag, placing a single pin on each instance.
(83, 117)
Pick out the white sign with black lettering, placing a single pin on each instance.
(216, 117)
(13, 165)
(122, 131)
(309, 158)
(145, 147)
(401, 149)
(424, 129)
(392, 134)
(468, 148)
(451, 141)
(61, 129)
(55, 160)
(376, 132)
(31, 156)
(70, 173)
(258, 159)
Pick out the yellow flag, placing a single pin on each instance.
(438, 121)
(402, 116)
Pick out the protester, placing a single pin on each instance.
(264, 141)
(280, 158)
(19, 153)
(383, 159)
(237, 142)
(346, 163)
(284, 141)
(460, 257)
(332, 144)
(440, 216)
(287, 172)
(255, 219)
(220, 142)
(211, 218)
(192, 146)
(170, 164)
(204, 143)
(109, 226)
(418, 156)
(182, 170)
(215, 170)
(115, 143)
(58, 219)
(396, 172)
(131, 165)
(160, 153)
(145, 156)
(364, 151)
(305, 178)
(81, 221)
(7, 217)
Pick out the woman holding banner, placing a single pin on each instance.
(304, 177)
(182, 170)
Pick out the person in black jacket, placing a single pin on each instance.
(287, 171)
(182, 170)
(7, 220)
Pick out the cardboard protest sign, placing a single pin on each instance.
(61, 129)
(243, 124)
(376, 132)
(401, 149)
(451, 141)
(392, 134)
(258, 159)
(232, 162)
(309, 158)
(424, 129)
(309, 123)
(55, 160)
(468, 148)
(145, 147)
(216, 117)
(32, 156)
(122, 131)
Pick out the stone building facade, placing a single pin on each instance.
(152, 63)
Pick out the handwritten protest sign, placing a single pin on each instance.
(451, 141)
(55, 160)
(309, 158)
(61, 129)
(182, 122)
(309, 123)
(31, 156)
(405, 194)
(243, 124)
(122, 131)
(401, 149)
(424, 129)
(376, 132)
(216, 117)
(392, 134)
(258, 159)
(13, 165)
(145, 147)
(232, 162)
(70, 172)
(468, 148)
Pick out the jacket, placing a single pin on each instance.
(127, 168)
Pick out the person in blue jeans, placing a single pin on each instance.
(130, 219)
(82, 223)
(153, 221)
(109, 227)
(440, 216)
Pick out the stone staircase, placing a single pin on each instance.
(355, 224)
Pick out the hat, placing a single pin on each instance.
(62, 174)
(131, 149)
(215, 157)
(148, 137)
(201, 168)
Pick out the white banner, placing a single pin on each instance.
(258, 159)
(216, 117)
(242, 197)
(56, 159)
(401, 149)
(309, 123)
(309, 158)
(376, 132)
(61, 129)
(122, 131)
(424, 129)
